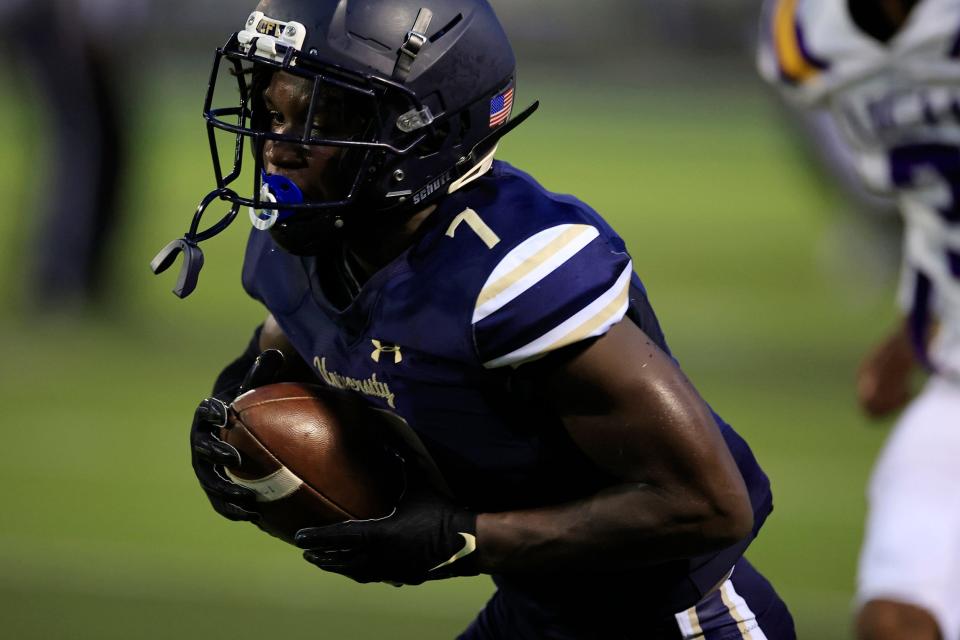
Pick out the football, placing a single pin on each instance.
(312, 456)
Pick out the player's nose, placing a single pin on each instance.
(285, 154)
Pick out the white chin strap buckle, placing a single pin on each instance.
(263, 219)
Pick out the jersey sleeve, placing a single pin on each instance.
(562, 285)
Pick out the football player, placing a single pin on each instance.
(502, 323)
(888, 71)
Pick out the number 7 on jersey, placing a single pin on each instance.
(479, 227)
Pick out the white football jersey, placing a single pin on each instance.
(898, 106)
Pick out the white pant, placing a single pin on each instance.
(911, 550)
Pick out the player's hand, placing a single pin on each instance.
(210, 454)
(425, 538)
(883, 381)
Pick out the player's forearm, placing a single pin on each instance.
(630, 525)
(629, 409)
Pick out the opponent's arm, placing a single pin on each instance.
(883, 380)
(632, 411)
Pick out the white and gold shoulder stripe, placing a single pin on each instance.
(529, 263)
(593, 320)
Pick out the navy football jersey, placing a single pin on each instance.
(502, 274)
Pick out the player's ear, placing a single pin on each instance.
(265, 370)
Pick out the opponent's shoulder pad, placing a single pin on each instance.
(786, 56)
(813, 49)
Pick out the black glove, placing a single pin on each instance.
(210, 453)
(425, 538)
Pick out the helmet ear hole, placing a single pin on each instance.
(465, 122)
(437, 141)
(448, 134)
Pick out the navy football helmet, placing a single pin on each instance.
(427, 84)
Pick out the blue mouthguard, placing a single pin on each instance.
(275, 189)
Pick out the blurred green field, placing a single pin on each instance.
(747, 262)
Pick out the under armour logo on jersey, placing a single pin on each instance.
(379, 347)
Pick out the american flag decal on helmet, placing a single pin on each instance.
(500, 107)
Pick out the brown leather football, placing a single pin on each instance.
(312, 456)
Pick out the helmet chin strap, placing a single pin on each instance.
(275, 189)
(477, 171)
(188, 245)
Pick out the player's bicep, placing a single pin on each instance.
(630, 409)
